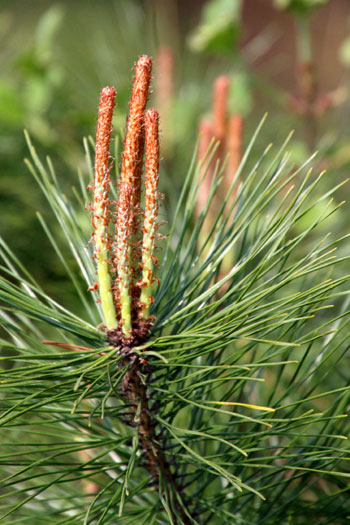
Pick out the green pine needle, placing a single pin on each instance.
(249, 388)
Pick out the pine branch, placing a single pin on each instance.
(232, 406)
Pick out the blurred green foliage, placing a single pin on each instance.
(344, 52)
(218, 30)
(240, 98)
(299, 6)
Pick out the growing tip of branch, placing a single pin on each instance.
(151, 122)
(144, 61)
(108, 90)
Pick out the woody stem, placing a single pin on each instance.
(135, 392)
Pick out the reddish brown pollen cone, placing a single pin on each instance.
(100, 204)
(132, 159)
(128, 208)
(151, 209)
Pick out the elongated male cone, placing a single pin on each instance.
(129, 205)
(100, 210)
(151, 208)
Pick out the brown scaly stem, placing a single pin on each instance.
(134, 392)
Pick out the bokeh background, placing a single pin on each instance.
(290, 58)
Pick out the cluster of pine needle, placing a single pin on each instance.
(219, 395)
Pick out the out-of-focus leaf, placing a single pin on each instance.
(38, 59)
(299, 6)
(5, 22)
(344, 52)
(219, 27)
(299, 152)
(11, 111)
(47, 29)
(240, 95)
(37, 95)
